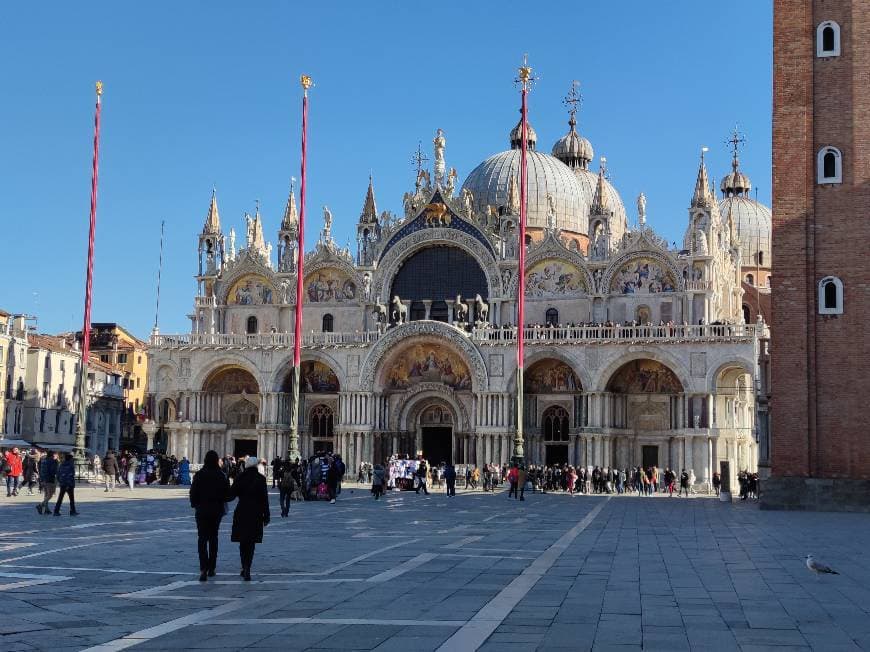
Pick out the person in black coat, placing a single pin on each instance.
(251, 514)
(208, 495)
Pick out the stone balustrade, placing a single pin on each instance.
(495, 335)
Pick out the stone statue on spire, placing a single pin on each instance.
(440, 168)
(641, 209)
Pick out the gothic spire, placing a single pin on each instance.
(370, 210)
(213, 219)
(291, 217)
(513, 198)
(703, 196)
(600, 200)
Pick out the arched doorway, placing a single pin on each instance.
(644, 397)
(552, 383)
(436, 433)
(554, 426)
(318, 404)
(237, 405)
(321, 422)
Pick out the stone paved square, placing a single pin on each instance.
(424, 573)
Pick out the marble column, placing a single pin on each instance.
(701, 460)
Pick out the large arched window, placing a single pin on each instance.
(750, 279)
(552, 317)
(830, 296)
(252, 325)
(554, 423)
(830, 165)
(828, 39)
(439, 273)
(327, 323)
(321, 421)
(747, 314)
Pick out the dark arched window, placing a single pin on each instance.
(828, 39)
(439, 273)
(438, 311)
(552, 317)
(747, 314)
(418, 311)
(555, 424)
(830, 167)
(761, 258)
(750, 279)
(321, 421)
(327, 323)
(830, 295)
(252, 325)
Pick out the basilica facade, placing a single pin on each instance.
(636, 352)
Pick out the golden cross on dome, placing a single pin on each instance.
(419, 158)
(573, 99)
(737, 139)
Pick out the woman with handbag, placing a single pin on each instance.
(208, 496)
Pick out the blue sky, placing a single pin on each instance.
(200, 94)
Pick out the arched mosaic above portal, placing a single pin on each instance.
(554, 278)
(645, 377)
(426, 363)
(251, 290)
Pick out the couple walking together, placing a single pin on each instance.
(209, 495)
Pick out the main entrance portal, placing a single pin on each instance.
(243, 447)
(437, 444)
(650, 455)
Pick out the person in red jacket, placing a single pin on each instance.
(13, 472)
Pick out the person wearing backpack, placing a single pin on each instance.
(422, 475)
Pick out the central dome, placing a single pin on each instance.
(490, 182)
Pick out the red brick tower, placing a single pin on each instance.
(820, 410)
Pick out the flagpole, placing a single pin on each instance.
(293, 438)
(81, 412)
(525, 79)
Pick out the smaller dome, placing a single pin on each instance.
(517, 136)
(573, 149)
(735, 183)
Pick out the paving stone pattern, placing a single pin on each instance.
(421, 573)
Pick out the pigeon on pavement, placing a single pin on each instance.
(818, 567)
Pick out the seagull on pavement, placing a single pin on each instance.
(818, 567)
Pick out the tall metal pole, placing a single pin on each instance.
(155, 331)
(81, 412)
(293, 438)
(525, 80)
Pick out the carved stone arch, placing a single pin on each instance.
(228, 359)
(282, 369)
(392, 261)
(717, 369)
(663, 259)
(580, 370)
(396, 337)
(242, 267)
(671, 362)
(418, 398)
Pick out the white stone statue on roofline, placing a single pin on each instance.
(641, 209)
(440, 167)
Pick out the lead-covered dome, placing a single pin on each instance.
(573, 149)
(490, 183)
(753, 222)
